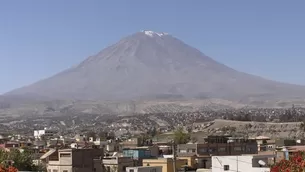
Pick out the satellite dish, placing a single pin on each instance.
(261, 162)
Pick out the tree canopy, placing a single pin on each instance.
(22, 160)
(181, 137)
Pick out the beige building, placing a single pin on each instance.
(165, 163)
(117, 164)
(73, 160)
(144, 169)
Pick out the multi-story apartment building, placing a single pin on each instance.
(117, 164)
(222, 146)
(141, 152)
(73, 160)
(226, 145)
(185, 150)
(45, 133)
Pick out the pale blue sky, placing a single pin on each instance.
(40, 38)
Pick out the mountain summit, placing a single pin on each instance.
(152, 65)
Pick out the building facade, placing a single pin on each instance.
(144, 169)
(74, 160)
(117, 164)
(141, 152)
(248, 163)
(166, 163)
(45, 132)
(186, 150)
(223, 146)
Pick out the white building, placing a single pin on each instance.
(80, 137)
(247, 163)
(144, 169)
(45, 132)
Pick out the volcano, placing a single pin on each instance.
(152, 65)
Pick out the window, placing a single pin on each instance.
(191, 150)
(211, 150)
(222, 149)
(147, 153)
(65, 155)
(249, 150)
(226, 167)
(237, 148)
(202, 150)
(182, 151)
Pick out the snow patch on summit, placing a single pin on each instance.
(152, 33)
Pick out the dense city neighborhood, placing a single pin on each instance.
(223, 140)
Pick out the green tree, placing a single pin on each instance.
(302, 128)
(23, 161)
(152, 132)
(181, 137)
(103, 135)
(3, 156)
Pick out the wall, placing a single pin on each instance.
(65, 158)
(38, 133)
(190, 161)
(63, 163)
(154, 151)
(82, 158)
(76, 160)
(117, 164)
(98, 166)
(54, 165)
(137, 153)
(186, 150)
(236, 163)
(227, 149)
(144, 169)
(165, 163)
(110, 147)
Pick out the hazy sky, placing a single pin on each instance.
(40, 38)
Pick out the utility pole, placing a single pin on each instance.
(174, 156)
(237, 163)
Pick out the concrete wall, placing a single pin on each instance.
(65, 158)
(76, 160)
(165, 163)
(38, 133)
(154, 151)
(235, 163)
(144, 169)
(55, 167)
(204, 162)
(117, 164)
(219, 149)
(190, 161)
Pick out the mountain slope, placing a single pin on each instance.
(152, 65)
